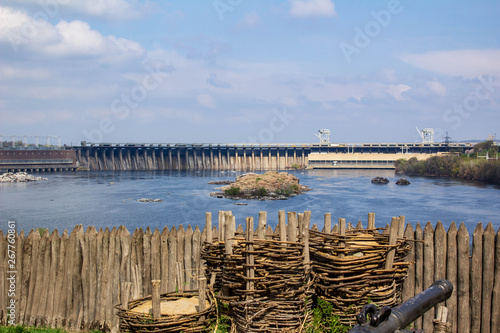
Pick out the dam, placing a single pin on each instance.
(219, 157)
(254, 157)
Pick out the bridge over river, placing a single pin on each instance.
(219, 157)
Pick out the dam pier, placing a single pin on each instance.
(255, 157)
(219, 157)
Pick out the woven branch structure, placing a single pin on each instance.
(277, 297)
(132, 321)
(350, 271)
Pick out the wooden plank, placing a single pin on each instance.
(488, 276)
(208, 227)
(39, 291)
(164, 259)
(409, 283)
(172, 259)
(393, 235)
(137, 262)
(419, 266)
(439, 255)
(196, 258)
(126, 253)
(155, 256)
(92, 253)
(188, 263)
(229, 228)
(155, 299)
(495, 302)
(476, 276)
(222, 222)
(27, 264)
(125, 294)
(146, 269)
(99, 279)
(292, 227)
(371, 221)
(180, 256)
(301, 227)
(115, 290)
(282, 225)
(428, 273)
(327, 229)
(307, 222)
(250, 260)
(19, 276)
(85, 273)
(463, 274)
(261, 228)
(106, 279)
(451, 274)
(111, 276)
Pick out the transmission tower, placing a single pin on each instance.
(323, 135)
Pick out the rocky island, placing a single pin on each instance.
(11, 177)
(271, 185)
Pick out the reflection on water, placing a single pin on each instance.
(107, 199)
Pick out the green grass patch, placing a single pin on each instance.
(233, 191)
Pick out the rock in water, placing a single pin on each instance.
(11, 177)
(403, 181)
(380, 180)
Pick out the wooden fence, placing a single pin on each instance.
(73, 280)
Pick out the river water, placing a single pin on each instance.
(108, 199)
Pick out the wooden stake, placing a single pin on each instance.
(155, 297)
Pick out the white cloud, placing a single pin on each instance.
(312, 8)
(436, 87)
(206, 101)
(75, 38)
(397, 91)
(110, 9)
(466, 63)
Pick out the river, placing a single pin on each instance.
(108, 199)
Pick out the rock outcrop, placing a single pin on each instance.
(380, 180)
(271, 185)
(11, 177)
(403, 181)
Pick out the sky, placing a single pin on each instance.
(241, 71)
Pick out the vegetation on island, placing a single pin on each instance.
(271, 185)
(480, 163)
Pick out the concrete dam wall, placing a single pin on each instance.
(193, 157)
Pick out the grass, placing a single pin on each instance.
(24, 329)
(323, 319)
(233, 191)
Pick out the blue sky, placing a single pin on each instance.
(246, 71)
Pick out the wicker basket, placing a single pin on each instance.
(135, 319)
(349, 271)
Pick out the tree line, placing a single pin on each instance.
(474, 164)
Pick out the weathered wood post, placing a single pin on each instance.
(409, 283)
(208, 227)
(463, 252)
(495, 303)
(328, 223)
(222, 223)
(202, 294)
(451, 274)
(250, 260)
(428, 272)
(155, 298)
(342, 230)
(371, 221)
(476, 276)
(419, 266)
(172, 260)
(300, 218)
(180, 278)
(261, 228)
(393, 235)
(439, 255)
(282, 225)
(125, 294)
(307, 222)
(292, 227)
(488, 275)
